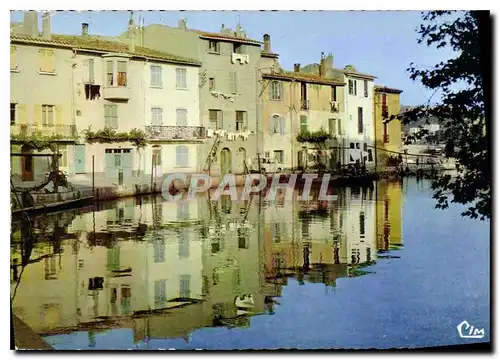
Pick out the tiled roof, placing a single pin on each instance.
(387, 89)
(305, 77)
(94, 43)
(358, 74)
(218, 36)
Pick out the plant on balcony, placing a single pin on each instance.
(37, 141)
(316, 137)
(107, 135)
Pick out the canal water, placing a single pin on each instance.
(377, 268)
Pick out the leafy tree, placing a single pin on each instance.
(463, 110)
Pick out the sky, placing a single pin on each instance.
(381, 43)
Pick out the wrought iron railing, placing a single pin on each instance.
(64, 131)
(162, 132)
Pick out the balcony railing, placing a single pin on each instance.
(161, 132)
(28, 130)
(304, 104)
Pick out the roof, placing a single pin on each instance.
(358, 74)
(304, 77)
(266, 54)
(234, 38)
(94, 43)
(387, 89)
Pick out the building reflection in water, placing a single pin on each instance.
(165, 269)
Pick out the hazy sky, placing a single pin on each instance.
(382, 43)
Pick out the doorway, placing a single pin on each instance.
(225, 161)
(27, 163)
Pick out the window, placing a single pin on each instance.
(213, 46)
(182, 156)
(303, 123)
(122, 73)
(362, 223)
(183, 240)
(278, 156)
(385, 108)
(156, 78)
(276, 90)
(46, 60)
(160, 293)
(118, 160)
(365, 146)
(110, 69)
(334, 93)
(303, 96)
(13, 57)
(266, 154)
(211, 84)
(156, 116)
(88, 71)
(366, 87)
(240, 120)
(360, 120)
(357, 145)
(48, 115)
(180, 78)
(233, 88)
(183, 211)
(111, 116)
(351, 145)
(332, 126)
(352, 87)
(181, 117)
(386, 135)
(339, 122)
(13, 113)
(156, 156)
(277, 125)
(184, 286)
(159, 251)
(238, 48)
(215, 117)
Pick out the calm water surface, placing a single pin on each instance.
(378, 268)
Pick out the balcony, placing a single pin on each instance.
(28, 130)
(161, 132)
(116, 93)
(240, 58)
(304, 104)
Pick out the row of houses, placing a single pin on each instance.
(160, 99)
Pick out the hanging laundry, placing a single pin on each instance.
(210, 133)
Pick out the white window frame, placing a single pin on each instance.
(181, 117)
(276, 90)
(157, 116)
(181, 78)
(46, 121)
(353, 87)
(156, 78)
(111, 121)
(182, 156)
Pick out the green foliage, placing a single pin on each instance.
(37, 141)
(461, 112)
(316, 137)
(107, 135)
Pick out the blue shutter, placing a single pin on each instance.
(127, 165)
(111, 170)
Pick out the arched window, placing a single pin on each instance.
(182, 156)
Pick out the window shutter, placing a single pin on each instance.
(58, 116)
(271, 126)
(21, 114)
(86, 72)
(91, 70)
(280, 87)
(282, 126)
(38, 115)
(271, 84)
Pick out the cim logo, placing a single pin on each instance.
(467, 331)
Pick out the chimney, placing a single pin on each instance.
(296, 68)
(30, 23)
(182, 24)
(85, 29)
(46, 25)
(267, 43)
(131, 33)
(222, 28)
(322, 65)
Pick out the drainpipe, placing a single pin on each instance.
(73, 110)
(257, 117)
